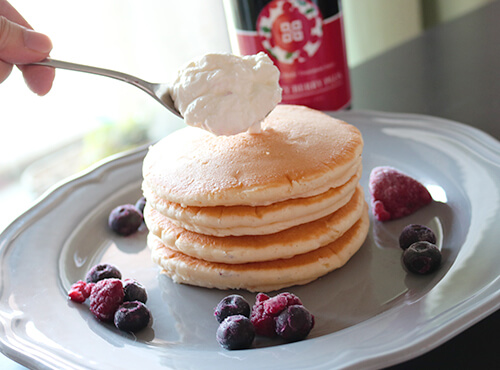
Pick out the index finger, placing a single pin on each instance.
(9, 12)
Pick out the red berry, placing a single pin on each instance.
(266, 309)
(105, 298)
(80, 291)
(394, 194)
(273, 306)
(262, 322)
(261, 297)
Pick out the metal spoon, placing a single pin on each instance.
(158, 91)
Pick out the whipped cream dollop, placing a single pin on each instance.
(227, 94)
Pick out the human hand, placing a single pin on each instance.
(19, 45)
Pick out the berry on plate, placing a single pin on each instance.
(233, 304)
(294, 323)
(266, 309)
(80, 291)
(134, 291)
(105, 298)
(235, 332)
(395, 194)
(422, 258)
(102, 271)
(132, 316)
(125, 219)
(415, 233)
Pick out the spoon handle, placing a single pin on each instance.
(160, 92)
(142, 84)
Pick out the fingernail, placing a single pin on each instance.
(37, 41)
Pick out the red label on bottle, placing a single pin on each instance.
(308, 50)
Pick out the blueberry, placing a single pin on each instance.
(414, 233)
(134, 291)
(236, 332)
(125, 219)
(422, 258)
(231, 305)
(140, 204)
(101, 272)
(132, 316)
(294, 323)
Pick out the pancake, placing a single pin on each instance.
(300, 153)
(259, 220)
(260, 276)
(243, 249)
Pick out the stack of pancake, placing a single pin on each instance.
(258, 212)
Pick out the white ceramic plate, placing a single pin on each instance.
(369, 313)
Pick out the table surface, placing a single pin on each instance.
(450, 71)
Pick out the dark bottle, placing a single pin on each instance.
(304, 38)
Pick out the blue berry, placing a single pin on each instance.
(132, 316)
(134, 291)
(125, 219)
(294, 323)
(422, 258)
(101, 272)
(414, 233)
(232, 305)
(236, 332)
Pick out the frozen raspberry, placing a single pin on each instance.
(394, 194)
(263, 323)
(233, 304)
(125, 219)
(132, 316)
(273, 306)
(134, 291)
(266, 309)
(105, 298)
(294, 323)
(236, 332)
(415, 233)
(261, 297)
(102, 271)
(80, 291)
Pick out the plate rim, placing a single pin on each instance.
(485, 307)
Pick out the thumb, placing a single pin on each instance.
(19, 45)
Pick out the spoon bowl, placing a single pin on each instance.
(159, 91)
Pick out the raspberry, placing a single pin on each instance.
(105, 298)
(275, 305)
(80, 291)
(261, 297)
(394, 194)
(266, 309)
(264, 324)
